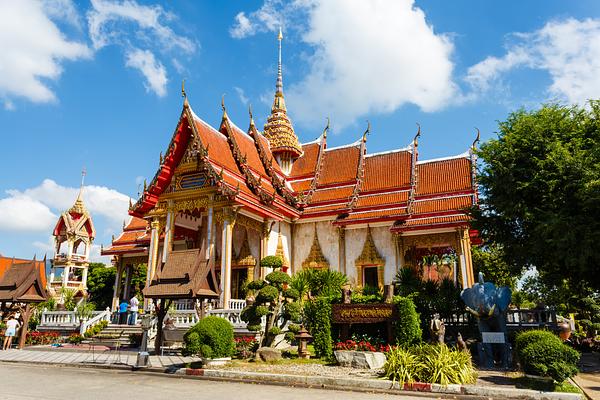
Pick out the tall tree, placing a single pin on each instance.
(540, 192)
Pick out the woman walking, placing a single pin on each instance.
(11, 330)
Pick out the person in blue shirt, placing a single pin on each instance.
(123, 312)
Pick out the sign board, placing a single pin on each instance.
(493, 337)
(363, 313)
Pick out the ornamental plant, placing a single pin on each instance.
(75, 338)
(275, 301)
(245, 347)
(408, 326)
(543, 353)
(362, 346)
(211, 337)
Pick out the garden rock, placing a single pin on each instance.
(268, 354)
(360, 359)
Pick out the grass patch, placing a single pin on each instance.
(524, 382)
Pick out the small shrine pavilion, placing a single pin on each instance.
(22, 283)
(223, 198)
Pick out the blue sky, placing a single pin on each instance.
(96, 84)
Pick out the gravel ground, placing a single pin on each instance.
(309, 368)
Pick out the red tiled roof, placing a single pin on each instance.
(339, 165)
(336, 193)
(432, 222)
(445, 176)
(442, 204)
(301, 186)
(22, 280)
(387, 171)
(382, 198)
(307, 163)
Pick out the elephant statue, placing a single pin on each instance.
(489, 304)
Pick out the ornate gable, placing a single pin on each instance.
(316, 258)
(369, 255)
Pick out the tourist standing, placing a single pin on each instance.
(11, 330)
(123, 312)
(134, 304)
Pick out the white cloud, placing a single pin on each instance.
(154, 72)
(568, 50)
(108, 19)
(22, 213)
(368, 57)
(99, 200)
(33, 50)
(241, 95)
(267, 18)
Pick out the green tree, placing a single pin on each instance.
(100, 283)
(491, 261)
(540, 192)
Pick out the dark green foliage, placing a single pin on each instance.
(543, 353)
(490, 260)
(278, 277)
(100, 282)
(540, 192)
(274, 300)
(273, 262)
(318, 282)
(267, 294)
(211, 337)
(294, 328)
(408, 327)
(317, 313)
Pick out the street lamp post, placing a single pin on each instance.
(143, 355)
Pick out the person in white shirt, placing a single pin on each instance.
(134, 304)
(11, 330)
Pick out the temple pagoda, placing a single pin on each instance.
(73, 236)
(222, 199)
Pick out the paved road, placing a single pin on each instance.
(18, 382)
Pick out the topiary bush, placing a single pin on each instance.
(317, 313)
(211, 337)
(543, 353)
(408, 327)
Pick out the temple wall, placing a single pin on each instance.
(382, 237)
(328, 239)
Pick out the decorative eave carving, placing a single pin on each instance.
(316, 258)
(252, 181)
(360, 171)
(305, 199)
(413, 171)
(369, 255)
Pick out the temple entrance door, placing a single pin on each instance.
(238, 277)
(370, 276)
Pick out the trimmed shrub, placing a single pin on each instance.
(278, 277)
(273, 262)
(543, 353)
(408, 327)
(211, 337)
(317, 313)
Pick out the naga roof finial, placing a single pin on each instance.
(183, 93)
(474, 145)
(250, 113)
(417, 136)
(364, 138)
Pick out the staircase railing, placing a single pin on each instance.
(59, 319)
(99, 316)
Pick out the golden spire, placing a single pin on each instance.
(278, 129)
(79, 207)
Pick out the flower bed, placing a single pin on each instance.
(39, 338)
(245, 347)
(362, 346)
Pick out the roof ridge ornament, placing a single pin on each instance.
(368, 131)
(79, 207)
(417, 136)
(476, 141)
(279, 85)
(250, 113)
(184, 94)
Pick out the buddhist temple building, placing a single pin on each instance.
(223, 198)
(73, 236)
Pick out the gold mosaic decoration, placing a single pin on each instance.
(245, 257)
(316, 258)
(369, 255)
(280, 253)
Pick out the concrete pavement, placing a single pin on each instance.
(28, 382)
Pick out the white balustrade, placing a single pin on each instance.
(59, 319)
(97, 317)
(232, 316)
(184, 318)
(235, 304)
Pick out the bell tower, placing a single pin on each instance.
(278, 129)
(73, 236)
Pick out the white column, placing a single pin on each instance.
(226, 262)
(152, 256)
(210, 233)
(84, 275)
(88, 245)
(168, 235)
(117, 288)
(66, 272)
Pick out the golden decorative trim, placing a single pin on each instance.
(369, 255)
(316, 258)
(280, 253)
(244, 257)
(431, 240)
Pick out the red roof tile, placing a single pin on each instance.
(445, 176)
(457, 203)
(339, 165)
(307, 163)
(381, 199)
(386, 171)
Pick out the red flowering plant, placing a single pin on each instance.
(41, 338)
(245, 346)
(362, 345)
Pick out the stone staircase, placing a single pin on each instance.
(115, 333)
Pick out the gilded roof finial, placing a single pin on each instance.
(364, 138)
(145, 185)
(417, 136)
(183, 94)
(279, 85)
(223, 106)
(326, 129)
(79, 207)
(160, 158)
(474, 145)
(250, 113)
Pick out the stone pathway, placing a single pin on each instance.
(57, 356)
(589, 377)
